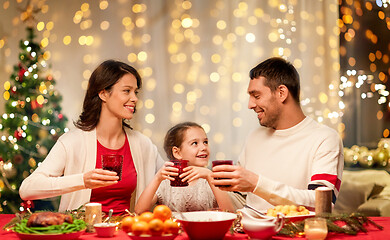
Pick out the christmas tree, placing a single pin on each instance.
(31, 124)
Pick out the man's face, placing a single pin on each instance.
(264, 102)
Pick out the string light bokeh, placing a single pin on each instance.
(194, 57)
(365, 70)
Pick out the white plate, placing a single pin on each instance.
(295, 218)
(252, 213)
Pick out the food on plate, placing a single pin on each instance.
(49, 223)
(288, 210)
(44, 219)
(156, 223)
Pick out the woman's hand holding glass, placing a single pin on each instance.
(99, 178)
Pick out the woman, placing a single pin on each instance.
(72, 167)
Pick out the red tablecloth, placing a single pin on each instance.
(372, 234)
(4, 235)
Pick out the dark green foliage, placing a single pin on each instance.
(353, 223)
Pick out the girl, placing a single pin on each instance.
(185, 141)
(73, 166)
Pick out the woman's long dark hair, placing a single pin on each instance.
(103, 78)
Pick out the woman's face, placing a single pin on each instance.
(194, 148)
(120, 101)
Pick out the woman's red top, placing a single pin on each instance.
(117, 196)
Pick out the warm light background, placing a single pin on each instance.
(194, 57)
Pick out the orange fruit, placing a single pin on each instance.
(162, 212)
(137, 218)
(126, 223)
(146, 216)
(139, 228)
(156, 227)
(171, 226)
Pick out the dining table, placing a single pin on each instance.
(372, 233)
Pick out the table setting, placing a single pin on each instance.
(160, 226)
(246, 223)
(164, 223)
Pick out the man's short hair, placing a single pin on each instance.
(276, 72)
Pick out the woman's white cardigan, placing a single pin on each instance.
(61, 173)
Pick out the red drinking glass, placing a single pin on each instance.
(179, 164)
(221, 162)
(113, 162)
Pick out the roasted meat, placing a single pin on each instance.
(44, 219)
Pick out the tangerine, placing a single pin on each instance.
(156, 227)
(171, 226)
(162, 212)
(146, 216)
(137, 218)
(139, 228)
(126, 223)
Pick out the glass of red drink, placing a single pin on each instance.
(113, 162)
(179, 164)
(221, 162)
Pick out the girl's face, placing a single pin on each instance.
(194, 148)
(121, 100)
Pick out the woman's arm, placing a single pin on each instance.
(67, 168)
(48, 179)
(192, 173)
(148, 196)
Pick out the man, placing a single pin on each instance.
(290, 155)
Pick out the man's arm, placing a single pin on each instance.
(327, 170)
(237, 178)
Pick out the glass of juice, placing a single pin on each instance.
(179, 164)
(113, 162)
(316, 228)
(222, 162)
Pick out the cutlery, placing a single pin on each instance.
(109, 216)
(255, 210)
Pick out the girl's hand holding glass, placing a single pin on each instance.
(193, 173)
(168, 172)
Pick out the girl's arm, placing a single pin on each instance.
(222, 197)
(192, 173)
(148, 196)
